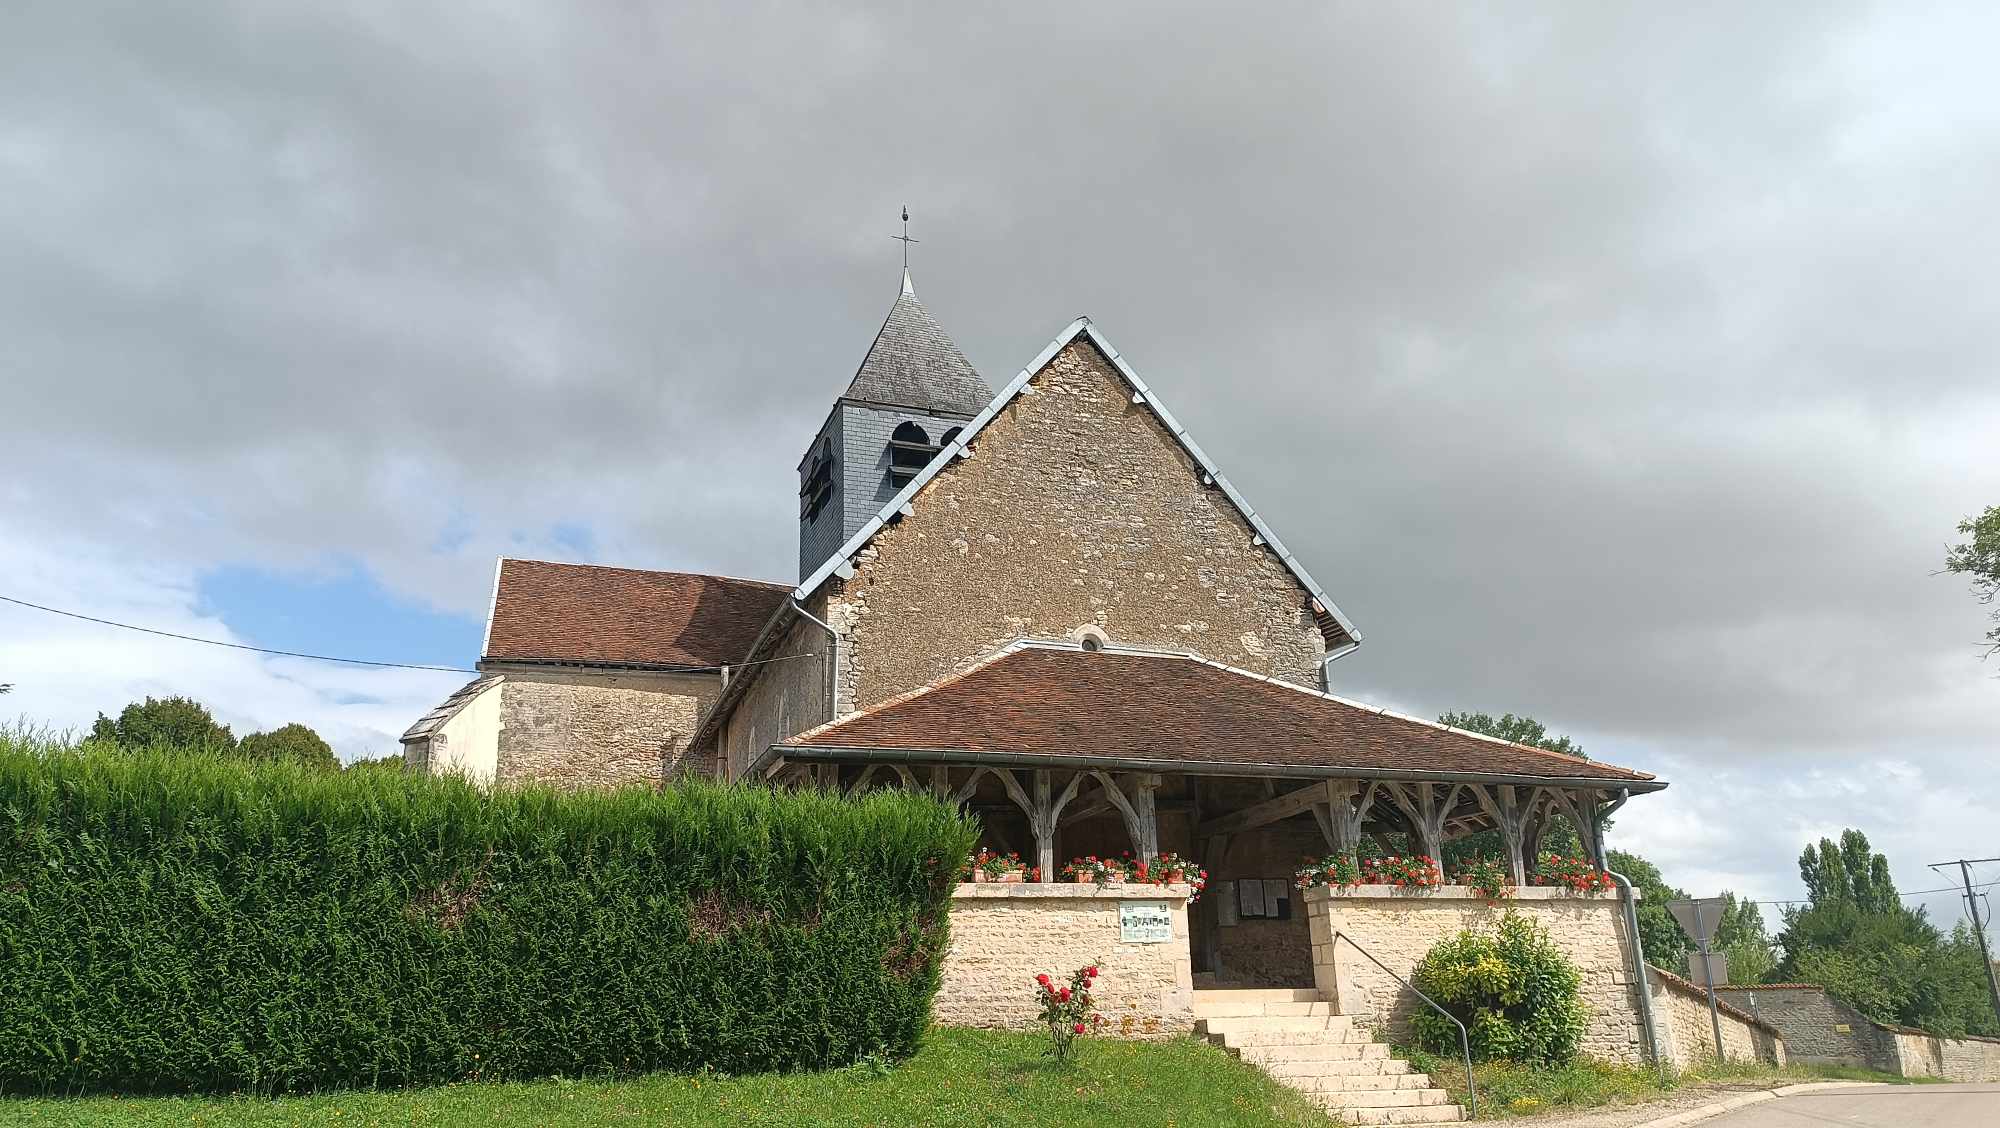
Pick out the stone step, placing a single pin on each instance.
(1332, 1092)
(1245, 1039)
(1256, 995)
(1422, 1114)
(1311, 1051)
(1348, 1067)
(1244, 1008)
(1274, 1024)
(1311, 1067)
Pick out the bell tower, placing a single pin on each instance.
(913, 392)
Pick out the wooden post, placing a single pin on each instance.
(1511, 814)
(1346, 808)
(1583, 807)
(1044, 810)
(1426, 812)
(1142, 823)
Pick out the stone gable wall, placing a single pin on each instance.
(1076, 508)
(1003, 935)
(787, 697)
(586, 728)
(1399, 929)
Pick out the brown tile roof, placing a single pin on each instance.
(1058, 701)
(585, 614)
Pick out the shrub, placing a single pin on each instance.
(1516, 993)
(293, 743)
(178, 922)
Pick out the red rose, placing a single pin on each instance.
(1063, 994)
(1091, 971)
(1079, 1028)
(1042, 979)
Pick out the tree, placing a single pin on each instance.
(1741, 936)
(292, 744)
(1980, 559)
(1848, 872)
(1666, 945)
(393, 762)
(1857, 938)
(168, 722)
(1520, 730)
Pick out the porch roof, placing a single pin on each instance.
(1058, 705)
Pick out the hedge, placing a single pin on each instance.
(172, 923)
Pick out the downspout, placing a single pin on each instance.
(832, 662)
(1629, 897)
(1332, 656)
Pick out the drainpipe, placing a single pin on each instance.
(1325, 664)
(1629, 897)
(832, 659)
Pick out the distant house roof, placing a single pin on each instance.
(1058, 703)
(448, 708)
(583, 614)
(915, 364)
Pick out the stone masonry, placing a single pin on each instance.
(1077, 507)
(1687, 1036)
(1002, 935)
(1399, 929)
(1823, 1029)
(592, 729)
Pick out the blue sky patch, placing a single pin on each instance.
(346, 614)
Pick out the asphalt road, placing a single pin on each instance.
(1875, 1106)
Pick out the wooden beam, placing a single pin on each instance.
(1142, 823)
(1260, 814)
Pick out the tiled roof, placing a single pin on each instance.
(915, 364)
(1062, 702)
(588, 615)
(1689, 987)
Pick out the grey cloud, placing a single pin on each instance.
(1624, 366)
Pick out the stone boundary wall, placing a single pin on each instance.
(1002, 935)
(1687, 1037)
(1399, 928)
(1811, 1021)
(1955, 1059)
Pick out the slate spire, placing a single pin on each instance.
(914, 364)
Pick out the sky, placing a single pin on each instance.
(1621, 365)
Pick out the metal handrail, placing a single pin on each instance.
(1464, 1039)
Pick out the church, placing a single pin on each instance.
(1045, 603)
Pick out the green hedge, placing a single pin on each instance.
(172, 922)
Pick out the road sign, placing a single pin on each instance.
(1710, 969)
(1698, 918)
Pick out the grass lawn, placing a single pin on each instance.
(1510, 1090)
(961, 1077)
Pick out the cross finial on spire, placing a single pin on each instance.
(905, 239)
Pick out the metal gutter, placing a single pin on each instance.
(859, 754)
(832, 662)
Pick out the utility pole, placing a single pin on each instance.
(1978, 926)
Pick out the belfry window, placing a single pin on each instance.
(816, 486)
(910, 450)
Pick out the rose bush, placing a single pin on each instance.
(1068, 1010)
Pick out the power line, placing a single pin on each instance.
(234, 645)
(343, 661)
(1915, 893)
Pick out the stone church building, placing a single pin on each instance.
(1044, 602)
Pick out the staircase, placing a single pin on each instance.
(1294, 1036)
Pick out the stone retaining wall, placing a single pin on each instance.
(1002, 935)
(1398, 928)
